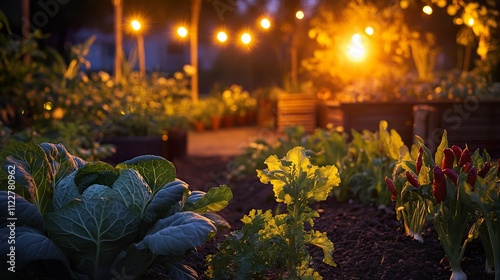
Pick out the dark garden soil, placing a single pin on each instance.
(369, 241)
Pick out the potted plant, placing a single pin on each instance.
(215, 110)
(199, 116)
(150, 115)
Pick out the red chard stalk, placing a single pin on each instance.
(439, 185)
(418, 163)
(448, 159)
(412, 180)
(457, 151)
(392, 187)
(465, 157)
(472, 176)
(466, 167)
(451, 174)
(482, 173)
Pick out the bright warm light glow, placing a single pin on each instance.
(470, 22)
(47, 106)
(246, 38)
(221, 36)
(427, 10)
(299, 14)
(404, 4)
(265, 23)
(136, 25)
(356, 51)
(182, 31)
(369, 30)
(356, 39)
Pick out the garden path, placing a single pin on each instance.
(226, 141)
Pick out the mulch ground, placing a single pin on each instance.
(369, 241)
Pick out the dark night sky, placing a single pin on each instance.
(59, 17)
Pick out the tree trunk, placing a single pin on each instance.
(195, 19)
(118, 4)
(26, 25)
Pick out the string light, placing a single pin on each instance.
(246, 38)
(222, 36)
(427, 10)
(299, 14)
(265, 23)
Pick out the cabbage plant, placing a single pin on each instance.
(100, 221)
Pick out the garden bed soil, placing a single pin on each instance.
(369, 241)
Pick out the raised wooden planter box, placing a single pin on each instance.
(296, 109)
(359, 116)
(133, 146)
(472, 122)
(329, 113)
(172, 147)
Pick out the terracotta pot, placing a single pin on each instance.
(198, 126)
(215, 122)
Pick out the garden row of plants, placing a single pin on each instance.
(363, 161)
(100, 221)
(72, 219)
(455, 189)
(54, 98)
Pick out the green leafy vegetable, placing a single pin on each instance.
(102, 221)
(278, 243)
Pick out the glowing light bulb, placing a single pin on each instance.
(356, 51)
(427, 10)
(182, 31)
(265, 23)
(246, 38)
(299, 14)
(369, 30)
(136, 25)
(222, 36)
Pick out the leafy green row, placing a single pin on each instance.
(274, 246)
(99, 221)
(363, 162)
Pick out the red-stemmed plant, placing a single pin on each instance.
(456, 190)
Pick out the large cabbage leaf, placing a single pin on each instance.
(180, 271)
(155, 170)
(174, 235)
(32, 171)
(95, 173)
(62, 162)
(166, 201)
(30, 245)
(65, 191)
(132, 190)
(217, 198)
(130, 263)
(93, 229)
(25, 213)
